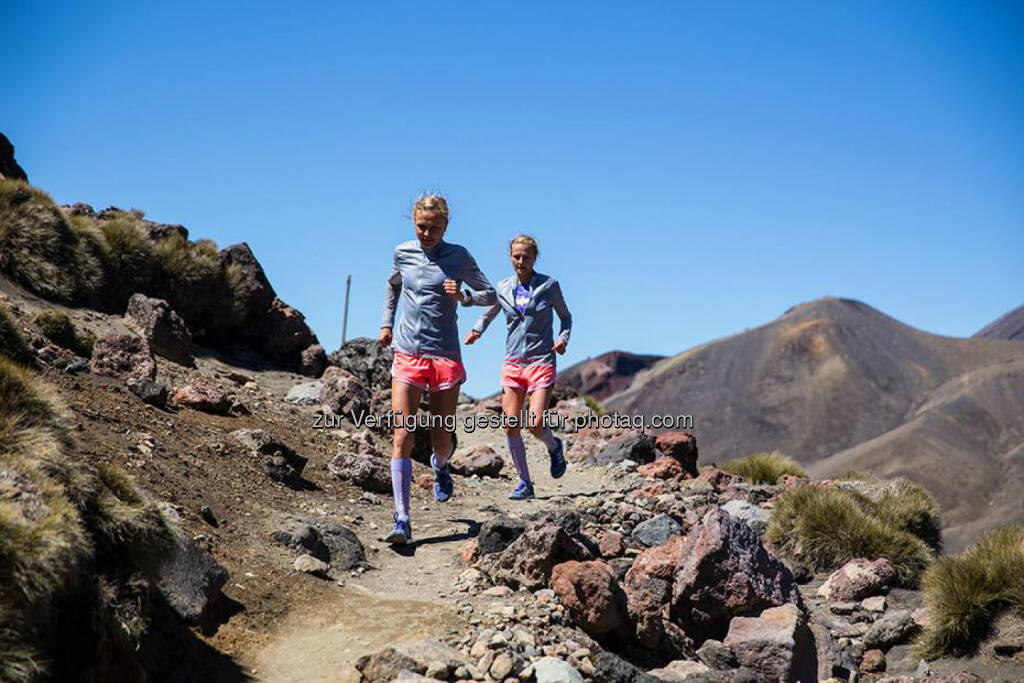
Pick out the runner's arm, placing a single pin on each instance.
(564, 317)
(481, 292)
(481, 325)
(391, 291)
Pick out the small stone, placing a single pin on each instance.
(555, 670)
(310, 565)
(873, 662)
(502, 666)
(874, 604)
(524, 637)
(437, 670)
(842, 607)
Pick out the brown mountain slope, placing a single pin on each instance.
(606, 374)
(1009, 326)
(825, 376)
(965, 444)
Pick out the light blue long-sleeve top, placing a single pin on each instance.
(529, 334)
(429, 323)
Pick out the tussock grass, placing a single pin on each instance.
(763, 468)
(39, 248)
(102, 260)
(191, 277)
(64, 513)
(825, 527)
(965, 593)
(12, 344)
(58, 328)
(594, 405)
(131, 263)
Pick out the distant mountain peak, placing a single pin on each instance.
(1008, 326)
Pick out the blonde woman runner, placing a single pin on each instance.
(425, 279)
(530, 300)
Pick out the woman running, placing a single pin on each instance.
(528, 299)
(426, 276)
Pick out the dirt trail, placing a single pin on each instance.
(408, 594)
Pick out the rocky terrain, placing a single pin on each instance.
(837, 385)
(181, 502)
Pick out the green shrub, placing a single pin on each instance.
(58, 328)
(12, 344)
(40, 250)
(825, 527)
(594, 405)
(131, 259)
(965, 593)
(763, 468)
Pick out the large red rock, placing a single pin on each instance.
(858, 579)
(662, 468)
(203, 397)
(592, 595)
(777, 645)
(481, 460)
(680, 446)
(124, 356)
(164, 330)
(724, 571)
(659, 562)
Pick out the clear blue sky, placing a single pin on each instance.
(690, 169)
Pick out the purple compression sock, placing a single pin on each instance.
(441, 462)
(549, 439)
(401, 483)
(518, 450)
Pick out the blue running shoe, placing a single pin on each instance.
(557, 460)
(401, 534)
(523, 491)
(444, 485)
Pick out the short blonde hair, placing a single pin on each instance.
(431, 202)
(526, 241)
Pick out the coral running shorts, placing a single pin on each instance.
(433, 374)
(529, 377)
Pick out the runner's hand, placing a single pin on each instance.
(471, 337)
(384, 339)
(559, 347)
(451, 288)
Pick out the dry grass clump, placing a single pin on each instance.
(966, 592)
(594, 405)
(131, 261)
(58, 328)
(825, 527)
(40, 250)
(103, 259)
(763, 468)
(63, 512)
(191, 277)
(12, 344)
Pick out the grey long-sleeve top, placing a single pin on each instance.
(529, 334)
(429, 323)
